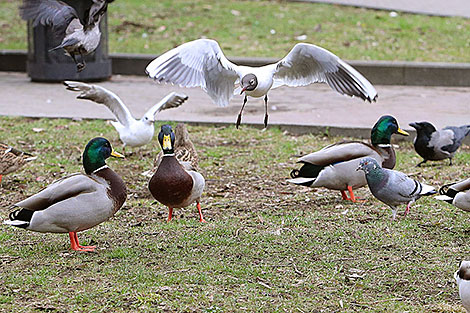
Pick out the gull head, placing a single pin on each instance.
(249, 83)
(148, 120)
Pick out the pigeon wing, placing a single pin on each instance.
(306, 64)
(54, 13)
(403, 186)
(198, 63)
(101, 95)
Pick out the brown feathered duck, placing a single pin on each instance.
(11, 159)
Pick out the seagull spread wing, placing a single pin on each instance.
(172, 100)
(102, 95)
(53, 13)
(306, 64)
(198, 63)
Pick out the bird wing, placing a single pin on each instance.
(53, 13)
(60, 190)
(172, 100)
(102, 95)
(198, 63)
(339, 152)
(306, 64)
(96, 11)
(459, 133)
(403, 186)
(441, 139)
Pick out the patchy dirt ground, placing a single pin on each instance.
(268, 246)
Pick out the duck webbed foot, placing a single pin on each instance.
(76, 246)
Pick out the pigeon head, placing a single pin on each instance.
(249, 82)
(368, 165)
(166, 138)
(423, 128)
(383, 130)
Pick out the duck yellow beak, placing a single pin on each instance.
(402, 132)
(166, 142)
(117, 154)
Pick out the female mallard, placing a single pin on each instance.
(78, 201)
(334, 167)
(457, 194)
(174, 184)
(12, 159)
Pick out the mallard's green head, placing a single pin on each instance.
(96, 152)
(166, 138)
(383, 130)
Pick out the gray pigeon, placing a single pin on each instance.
(434, 145)
(462, 276)
(392, 187)
(79, 37)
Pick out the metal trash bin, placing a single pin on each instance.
(55, 66)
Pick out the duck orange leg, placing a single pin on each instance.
(344, 195)
(0, 178)
(353, 198)
(201, 218)
(76, 246)
(170, 214)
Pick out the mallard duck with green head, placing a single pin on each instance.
(76, 202)
(175, 185)
(334, 167)
(12, 159)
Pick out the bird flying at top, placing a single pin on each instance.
(201, 63)
(78, 37)
(132, 132)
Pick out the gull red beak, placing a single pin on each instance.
(243, 90)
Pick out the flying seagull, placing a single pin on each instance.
(132, 132)
(201, 63)
(79, 37)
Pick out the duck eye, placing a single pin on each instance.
(252, 81)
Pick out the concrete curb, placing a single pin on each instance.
(378, 72)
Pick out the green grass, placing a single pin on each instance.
(243, 28)
(267, 247)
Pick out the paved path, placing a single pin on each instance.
(314, 105)
(429, 7)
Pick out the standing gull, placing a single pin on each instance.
(201, 63)
(132, 132)
(77, 37)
